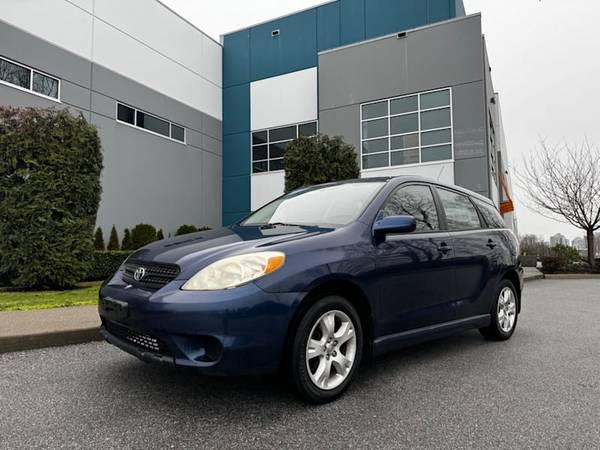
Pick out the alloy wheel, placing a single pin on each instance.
(331, 350)
(507, 310)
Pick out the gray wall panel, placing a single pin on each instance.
(74, 94)
(212, 127)
(445, 55)
(150, 179)
(212, 145)
(469, 121)
(438, 56)
(212, 170)
(343, 122)
(39, 54)
(472, 174)
(103, 105)
(123, 89)
(21, 99)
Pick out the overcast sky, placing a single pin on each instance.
(545, 58)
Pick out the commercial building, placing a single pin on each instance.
(194, 131)
(558, 239)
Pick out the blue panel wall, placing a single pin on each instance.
(294, 49)
(390, 16)
(439, 10)
(328, 26)
(254, 54)
(352, 21)
(236, 58)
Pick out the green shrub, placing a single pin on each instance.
(105, 264)
(127, 243)
(113, 241)
(142, 234)
(185, 229)
(50, 166)
(204, 228)
(160, 235)
(98, 240)
(318, 159)
(550, 264)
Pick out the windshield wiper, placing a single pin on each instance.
(268, 226)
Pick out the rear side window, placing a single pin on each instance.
(460, 212)
(416, 201)
(490, 214)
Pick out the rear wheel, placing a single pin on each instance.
(327, 350)
(504, 314)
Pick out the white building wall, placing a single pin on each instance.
(139, 39)
(275, 102)
(284, 100)
(266, 187)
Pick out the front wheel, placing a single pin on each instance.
(504, 314)
(327, 350)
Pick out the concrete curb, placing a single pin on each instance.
(533, 278)
(573, 276)
(50, 339)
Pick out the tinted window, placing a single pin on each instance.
(14, 74)
(490, 214)
(307, 129)
(178, 133)
(460, 212)
(416, 201)
(126, 114)
(45, 85)
(152, 123)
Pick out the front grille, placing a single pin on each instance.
(140, 340)
(156, 275)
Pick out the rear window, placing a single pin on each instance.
(460, 211)
(490, 214)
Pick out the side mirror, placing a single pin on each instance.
(394, 225)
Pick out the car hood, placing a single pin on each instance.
(194, 250)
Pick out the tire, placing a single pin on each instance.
(504, 314)
(310, 375)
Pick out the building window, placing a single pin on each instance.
(413, 129)
(27, 79)
(268, 146)
(155, 125)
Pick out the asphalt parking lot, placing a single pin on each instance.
(539, 390)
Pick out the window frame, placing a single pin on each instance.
(30, 89)
(137, 127)
(268, 144)
(436, 201)
(482, 222)
(419, 131)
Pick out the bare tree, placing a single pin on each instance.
(563, 183)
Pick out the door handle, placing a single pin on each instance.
(444, 248)
(491, 244)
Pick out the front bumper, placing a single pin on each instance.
(233, 332)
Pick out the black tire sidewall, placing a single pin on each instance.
(300, 374)
(495, 325)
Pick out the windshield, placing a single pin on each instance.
(326, 206)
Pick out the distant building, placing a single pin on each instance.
(558, 239)
(580, 244)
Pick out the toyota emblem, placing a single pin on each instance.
(139, 273)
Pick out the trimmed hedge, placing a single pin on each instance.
(105, 264)
(143, 234)
(318, 159)
(50, 165)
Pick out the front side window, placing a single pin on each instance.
(416, 201)
(460, 212)
(412, 129)
(269, 146)
(326, 206)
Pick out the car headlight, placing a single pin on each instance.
(234, 271)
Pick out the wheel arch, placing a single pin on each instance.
(512, 276)
(343, 287)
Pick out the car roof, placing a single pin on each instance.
(413, 178)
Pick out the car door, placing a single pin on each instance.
(475, 253)
(415, 270)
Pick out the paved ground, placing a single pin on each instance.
(539, 390)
